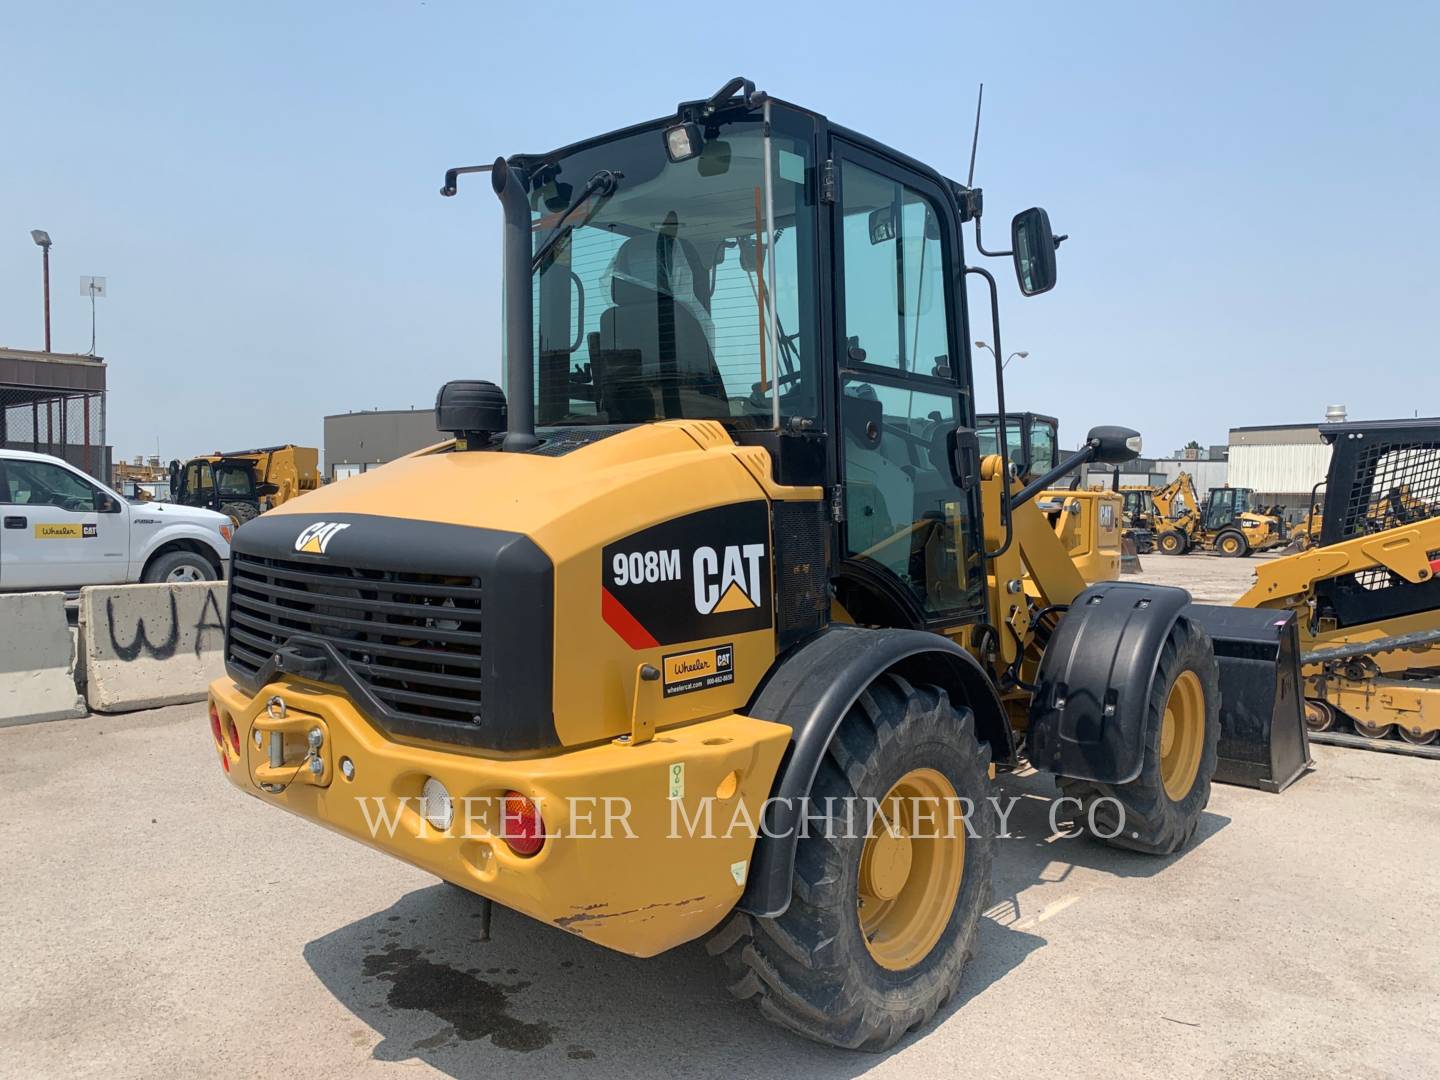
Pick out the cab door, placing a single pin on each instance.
(910, 536)
(60, 530)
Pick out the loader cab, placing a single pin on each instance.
(1224, 505)
(1032, 441)
(749, 263)
(215, 484)
(1139, 505)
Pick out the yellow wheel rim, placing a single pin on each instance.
(910, 870)
(1170, 544)
(1182, 735)
(1230, 545)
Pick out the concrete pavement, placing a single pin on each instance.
(158, 923)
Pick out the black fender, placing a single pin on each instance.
(812, 689)
(1087, 715)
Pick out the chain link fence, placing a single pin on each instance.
(69, 424)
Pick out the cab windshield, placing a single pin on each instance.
(656, 303)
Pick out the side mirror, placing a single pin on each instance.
(104, 504)
(1114, 445)
(1032, 245)
(964, 457)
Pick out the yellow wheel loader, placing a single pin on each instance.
(1223, 524)
(245, 483)
(715, 621)
(1365, 596)
(1087, 522)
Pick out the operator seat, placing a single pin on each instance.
(651, 344)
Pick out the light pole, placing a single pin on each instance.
(42, 238)
(1012, 356)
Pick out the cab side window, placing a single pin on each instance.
(893, 275)
(39, 483)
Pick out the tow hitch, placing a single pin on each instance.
(297, 747)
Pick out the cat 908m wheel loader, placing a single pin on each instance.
(716, 619)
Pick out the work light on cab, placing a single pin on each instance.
(521, 825)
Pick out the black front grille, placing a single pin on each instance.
(412, 640)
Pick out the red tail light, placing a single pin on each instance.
(215, 725)
(521, 825)
(234, 734)
(224, 761)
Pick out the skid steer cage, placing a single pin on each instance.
(1263, 741)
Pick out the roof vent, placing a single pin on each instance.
(1335, 414)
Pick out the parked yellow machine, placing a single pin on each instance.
(1365, 596)
(1224, 523)
(245, 483)
(766, 578)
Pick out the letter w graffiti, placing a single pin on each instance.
(162, 650)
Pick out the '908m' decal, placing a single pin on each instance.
(702, 575)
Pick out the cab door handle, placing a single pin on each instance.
(14, 521)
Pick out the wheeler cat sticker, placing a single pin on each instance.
(699, 669)
(703, 575)
(66, 532)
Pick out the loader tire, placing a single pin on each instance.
(1232, 545)
(830, 969)
(1172, 542)
(240, 512)
(1159, 810)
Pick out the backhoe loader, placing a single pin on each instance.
(245, 483)
(723, 564)
(1224, 523)
(1365, 596)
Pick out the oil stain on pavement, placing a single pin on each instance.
(470, 1007)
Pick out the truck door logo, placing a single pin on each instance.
(316, 537)
(701, 575)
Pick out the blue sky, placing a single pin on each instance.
(1249, 189)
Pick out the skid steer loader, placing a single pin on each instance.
(724, 551)
(1365, 595)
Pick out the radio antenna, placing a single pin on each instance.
(975, 139)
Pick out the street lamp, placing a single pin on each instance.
(1021, 355)
(42, 238)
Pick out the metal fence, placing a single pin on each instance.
(69, 424)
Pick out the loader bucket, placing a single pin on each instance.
(1129, 556)
(1263, 740)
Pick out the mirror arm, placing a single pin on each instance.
(980, 244)
(1074, 461)
(999, 403)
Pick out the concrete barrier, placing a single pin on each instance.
(37, 659)
(142, 646)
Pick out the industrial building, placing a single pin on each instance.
(54, 403)
(1282, 463)
(357, 441)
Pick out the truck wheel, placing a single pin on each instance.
(178, 567)
(1172, 542)
(882, 921)
(1159, 810)
(1232, 545)
(241, 512)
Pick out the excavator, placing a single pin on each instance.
(714, 619)
(1224, 523)
(245, 483)
(1365, 596)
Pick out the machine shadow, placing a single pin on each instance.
(419, 975)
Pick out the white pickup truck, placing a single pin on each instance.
(61, 530)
